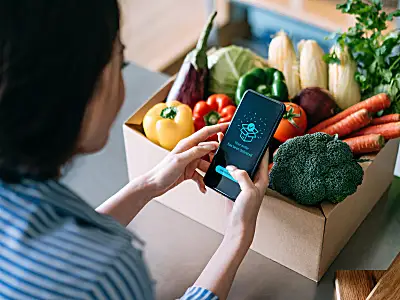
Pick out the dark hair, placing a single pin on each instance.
(52, 53)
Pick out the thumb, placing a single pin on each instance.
(242, 177)
(198, 151)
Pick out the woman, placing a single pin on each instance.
(60, 90)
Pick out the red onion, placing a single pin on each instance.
(318, 104)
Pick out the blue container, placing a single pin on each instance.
(266, 24)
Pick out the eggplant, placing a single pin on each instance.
(191, 83)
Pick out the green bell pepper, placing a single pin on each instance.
(269, 82)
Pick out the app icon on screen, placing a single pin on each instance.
(248, 132)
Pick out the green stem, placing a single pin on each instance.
(212, 118)
(202, 42)
(169, 112)
(290, 115)
(395, 63)
(262, 89)
(200, 55)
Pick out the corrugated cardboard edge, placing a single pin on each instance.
(344, 218)
(137, 117)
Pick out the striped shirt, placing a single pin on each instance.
(53, 245)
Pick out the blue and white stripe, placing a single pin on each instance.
(55, 246)
(198, 293)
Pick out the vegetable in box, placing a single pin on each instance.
(191, 83)
(315, 167)
(318, 104)
(342, 82)
(282, 56)
(377, 55)
(165, 124)
(218, 108)
(227, 65)
(293, 123)
(313, 69)
(269, 82)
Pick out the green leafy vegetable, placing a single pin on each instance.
(315, 167)
(227, 65)
(377, 55)
(331, 58)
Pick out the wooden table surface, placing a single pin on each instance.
(369, 285)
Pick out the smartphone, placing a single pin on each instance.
(245, 142)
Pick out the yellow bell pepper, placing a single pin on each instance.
(167, 123)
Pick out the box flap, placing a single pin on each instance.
(315, 210)
(160, 96)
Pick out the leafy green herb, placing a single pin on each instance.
(331, 58)
(377, 55)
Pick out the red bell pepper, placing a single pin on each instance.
(219, 108)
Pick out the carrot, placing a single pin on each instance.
(270, 167)
(369, 156)
(388, 130)
(365, 143)
(386, 119)
(349, 124)
(374, 104)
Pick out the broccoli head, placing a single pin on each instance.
(315, 167)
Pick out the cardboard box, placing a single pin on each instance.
(304, 239)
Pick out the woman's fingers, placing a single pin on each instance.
(199, 136)
(207, 131)
(196, 152)
(262, 177)
(203, 165)
(200, 182)
(220, 137)
(242, 177)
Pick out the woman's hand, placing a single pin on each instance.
(182, 163)
(243, 218)
(221, 269)
(179, 165)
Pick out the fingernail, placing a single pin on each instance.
(230, 168)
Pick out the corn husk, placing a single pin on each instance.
(300, 46)
(313, 69)
(282, 56)
(342, 83)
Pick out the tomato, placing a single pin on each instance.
(293, 123)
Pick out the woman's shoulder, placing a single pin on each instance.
(51, 236)
(46, 210)
(51, 204)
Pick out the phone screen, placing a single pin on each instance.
(245, 141)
